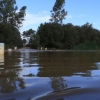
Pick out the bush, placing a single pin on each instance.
(87, 45)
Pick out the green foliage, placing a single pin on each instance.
(28, 33)
(58, 13)
(10, 36)
(10, 21)
(87, 45)
(9, 14)
(70, 36)
(34, 41)
(67, 36)
(51, 35)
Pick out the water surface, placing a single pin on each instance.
(50, 75)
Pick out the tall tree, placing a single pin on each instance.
(58, 13)
(11, 20)
(9, 14)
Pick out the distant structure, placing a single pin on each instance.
(1, 53)
(1, 48)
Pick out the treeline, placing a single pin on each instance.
(66, 36)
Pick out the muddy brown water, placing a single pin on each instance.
(28, 74)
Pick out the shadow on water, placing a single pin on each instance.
(39, 73)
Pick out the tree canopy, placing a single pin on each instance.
(68, 36)
(11, 19)
(28, 33)
(58, 12)
(9, 13)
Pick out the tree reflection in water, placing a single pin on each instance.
(57, 83)
(9, 81)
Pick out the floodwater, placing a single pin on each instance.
(50, 75)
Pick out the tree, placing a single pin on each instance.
(9, 14)
(10, 36)
(24, 41)
(34, 41)
(10, 21)
(28, 34)
(70, 36)
(51, 35)
(58, 13)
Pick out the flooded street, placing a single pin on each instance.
(50, 75)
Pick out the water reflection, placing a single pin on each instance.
(9, 81)
(1, 59)
(9, 75)
(66, 64)
(46, 71)
(58, 83)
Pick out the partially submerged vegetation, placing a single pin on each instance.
(56, 35)
(87, 45)
(67, 36)
(52, 35)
